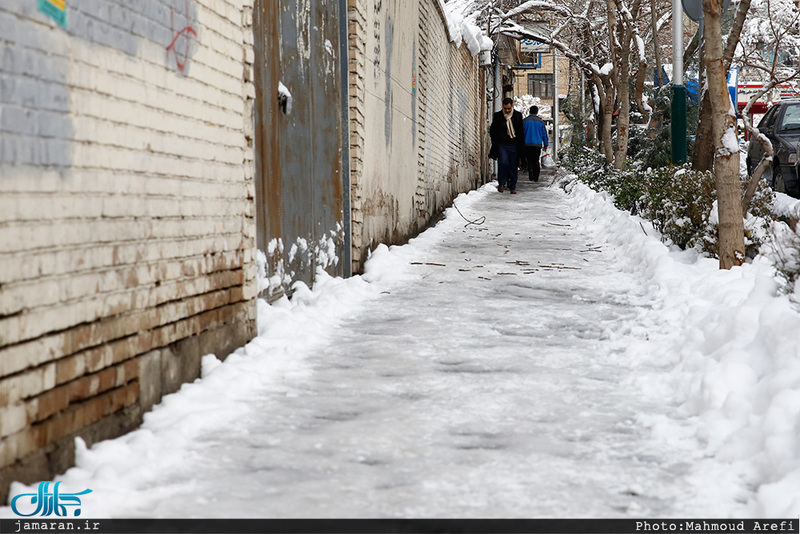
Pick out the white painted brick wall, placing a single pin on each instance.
(126, 194)
(400, 185)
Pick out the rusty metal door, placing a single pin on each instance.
(302, 167)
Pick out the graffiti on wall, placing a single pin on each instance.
(179, 47)
(55, 9)
(377, 10)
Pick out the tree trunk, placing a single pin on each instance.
(703, 157)
(644, 107)
(607, 118)
(735, 33)
(624, 98)
(703, 147)
(611, 82)
(594, 120)
(723, 133)
(656, 43)
(629, 36)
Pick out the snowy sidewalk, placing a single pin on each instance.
(492, 370)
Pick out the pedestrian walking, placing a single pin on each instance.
(535, 140)
(508, 139)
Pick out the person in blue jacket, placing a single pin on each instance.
(535, 140)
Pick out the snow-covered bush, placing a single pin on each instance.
(591, 168)
(783, 249)
(627, 187)
(680, 202)
(651, 147)
(587, 163)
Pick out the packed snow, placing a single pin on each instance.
(554, 360)
(461, 24)
(285, 94)
(786, 206)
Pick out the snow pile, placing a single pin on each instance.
(461, 23)
(523, 105)
(733, 362)
(263, 283)
(730, 143)
(322, 253)
(274, 282)
(286, 96)
(224, 393)
(786, 206)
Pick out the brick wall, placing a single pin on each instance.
(357, 51)
(449, 84)
(415, 120)
(126, 213)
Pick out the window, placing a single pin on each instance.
(540, 85)
(531, 59)
(791, 118)
(769, 118)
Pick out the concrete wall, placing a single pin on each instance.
(126, 214)
(416, 120)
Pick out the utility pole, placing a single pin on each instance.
(678, 89)
(496, 106)
(583, 103)
(497, 94)
(555, 105)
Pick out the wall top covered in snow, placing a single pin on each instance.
(463, 28)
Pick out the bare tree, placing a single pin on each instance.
(601, 37)
(656, 41)
(629, 38)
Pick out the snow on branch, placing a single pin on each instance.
(530, 5)
(513, 29)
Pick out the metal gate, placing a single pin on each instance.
(302, 157)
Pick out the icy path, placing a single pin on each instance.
(483, 385)
(485, 371)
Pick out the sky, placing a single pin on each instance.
(552, 358)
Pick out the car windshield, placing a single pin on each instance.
(791, 118)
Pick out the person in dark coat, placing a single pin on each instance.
(535, 140)
(508, 139)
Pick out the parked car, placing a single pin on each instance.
(781, 125)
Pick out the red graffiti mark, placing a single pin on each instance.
(185, 33)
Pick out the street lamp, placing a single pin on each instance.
(678, 89)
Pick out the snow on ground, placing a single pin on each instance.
(734, 355)
(786, 206)
(555, 361)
